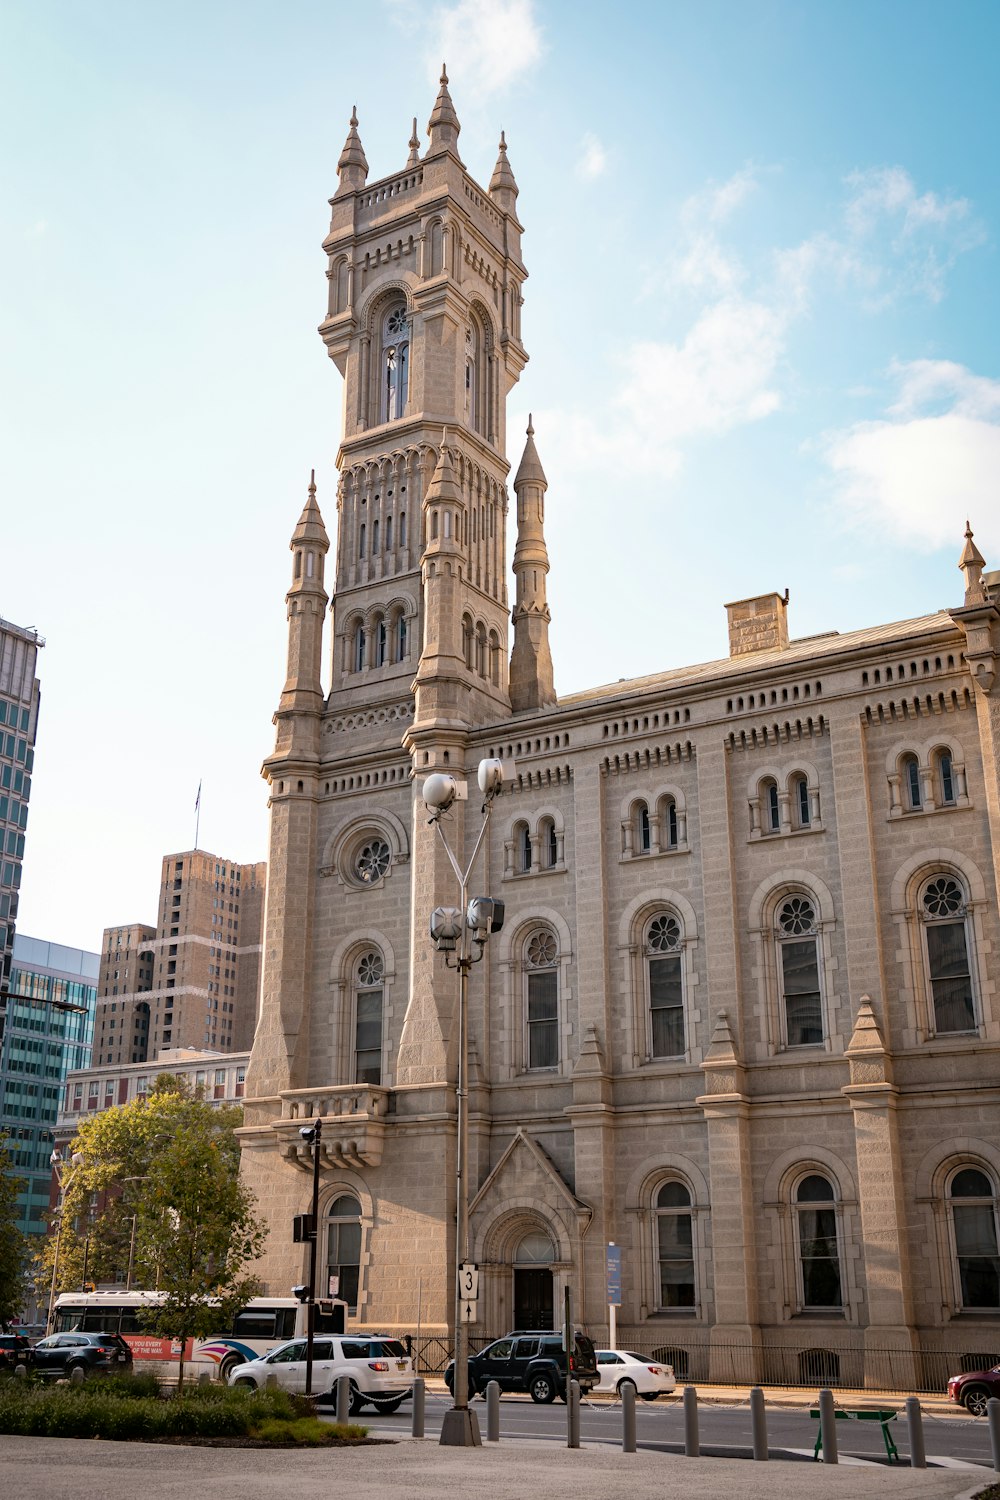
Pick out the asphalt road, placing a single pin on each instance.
(724, 1431)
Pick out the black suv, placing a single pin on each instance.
(93, 1353)
(531, 1361)
(14, 1350)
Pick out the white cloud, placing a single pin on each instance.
(917, 473)
(593, 158)
(717, 202)
(487, 44)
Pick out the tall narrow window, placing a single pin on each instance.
(643, 833)
(819, 1261)
(800, 792)
(401, 638)
(542, 1020)
(911, 783)
(946, 779)
(799, 961)
(944, 914)
(380, 643)
(974, 1222)
(668, 834)
(523, 839)
(402, 528)
(664, 961)
(471, 350)
(388, 533)
(359, 647)
(675, 1247)
(375, 538)
(770, 810)
(362, 534)
(343, 1248)
(368, 1019)
(395, 364)
(549, 843)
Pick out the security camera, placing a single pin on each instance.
(441, 790)
(485, 915)
(491, 778)
(446, 928)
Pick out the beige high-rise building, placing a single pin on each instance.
(743, 1016)
(192, 980)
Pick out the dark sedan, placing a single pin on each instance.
(93, 1353)
(15, 1350)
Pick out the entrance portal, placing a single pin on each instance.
(533, 1300)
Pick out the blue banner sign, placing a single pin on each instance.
(614, 1270)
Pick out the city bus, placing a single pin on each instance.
(262, 1323)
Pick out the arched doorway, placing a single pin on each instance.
(533, 1300)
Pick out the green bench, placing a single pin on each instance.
(861, 1414)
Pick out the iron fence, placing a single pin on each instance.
(809, 1366)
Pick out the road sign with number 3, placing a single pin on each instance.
(468, 1282)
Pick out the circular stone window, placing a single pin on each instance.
(371, 861)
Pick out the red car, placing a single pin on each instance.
(973, 1389)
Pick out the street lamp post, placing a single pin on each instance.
(61, 1168)
(312, 1135)
(458, 931)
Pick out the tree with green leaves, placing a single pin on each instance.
(13, 1243)
(152, 1194)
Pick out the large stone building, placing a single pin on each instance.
(20, 699)
(742, 1019)
(193, 979)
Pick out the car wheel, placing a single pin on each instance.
(649, 1395)
(357, 1400)
(245, 1384)
(542, 1389)
(974, 1399)
(622, 1386)
(230, 1363)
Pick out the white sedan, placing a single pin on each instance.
(618, 1368)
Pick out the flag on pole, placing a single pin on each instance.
(197, 800)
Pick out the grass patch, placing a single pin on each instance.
(125, 1408)
(991, 1492)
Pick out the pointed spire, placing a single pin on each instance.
(530, 469)
(443, 126)
(413, 160)
(443, 486)
(310, 527)
(531, 684)
(352, 168)
(972, 563)
(502, 185)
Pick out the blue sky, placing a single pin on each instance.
(762, 317)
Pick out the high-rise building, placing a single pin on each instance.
(743, 1016)
(193, 979)
(19, 702)
(50, 1018)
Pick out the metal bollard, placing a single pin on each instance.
(758, 1422)
(343, 1398)
(417, 1424)
(993, 1417)
(915, 1430)
(692, 1447)
(21, 1372)
(628, 1417)
(573, 1414)
(76, 1376)
(493, 1412)
(828, 1427)
(204, 1378)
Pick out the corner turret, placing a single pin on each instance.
(306, 600)
(352, 168)
(443, 126)
(503, 188)
(531, 684)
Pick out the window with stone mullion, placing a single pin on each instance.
(803, 1004)
(951, 982)
(543, 1019)
(666, 1006)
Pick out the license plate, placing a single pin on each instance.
(121, 1359)
(401, 1364)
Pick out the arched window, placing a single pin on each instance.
(368, 992)
(643, 831)
(362, 534)
(388, 533)
(375, 538)
(909, 768)
(359, 647)
(402, 528)
(943, 910)
(945, 776)
(343, 1247)
(770, 811)
(548, 844)
(675, 1248)
(973, 1206)
(818, 1256)
(380, 642)
(798, 963)
(401, 638)
(522, 845)
(668, 824)
(665, 975)
(800, 801)
(395, 364)
(471, 380)
(541, 956)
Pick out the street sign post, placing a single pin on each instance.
(470, 1312)
(468, 1283)
(613, 1267)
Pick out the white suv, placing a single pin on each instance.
(379, 1368)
